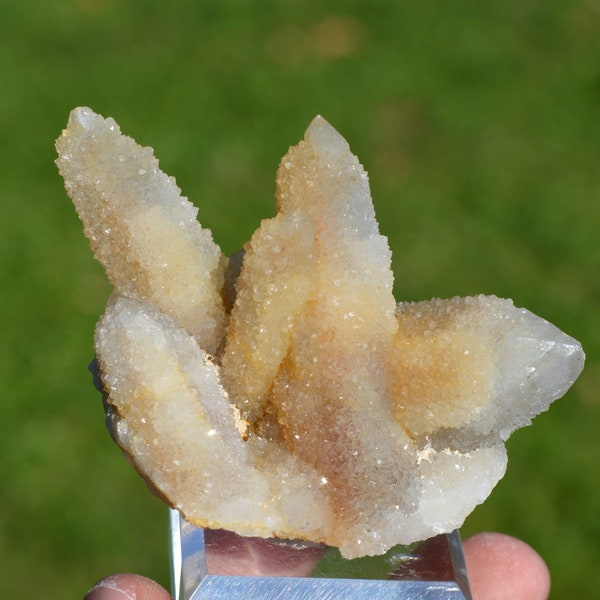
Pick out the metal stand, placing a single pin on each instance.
(191, 580)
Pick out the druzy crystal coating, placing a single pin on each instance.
(284, 392)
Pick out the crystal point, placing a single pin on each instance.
(285, 393)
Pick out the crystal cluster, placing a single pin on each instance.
(283, 392)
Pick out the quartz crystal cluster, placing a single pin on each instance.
(283, 391)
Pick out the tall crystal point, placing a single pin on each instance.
(285, 393)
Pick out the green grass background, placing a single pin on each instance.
(479, 124)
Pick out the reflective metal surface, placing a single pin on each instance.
(192, 581)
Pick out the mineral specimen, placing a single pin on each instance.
(283, 392)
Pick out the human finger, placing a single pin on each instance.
(127, 586)
(501, 567)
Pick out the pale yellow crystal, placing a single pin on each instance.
(140, 228)
(297, 399)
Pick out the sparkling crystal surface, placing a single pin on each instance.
(292, 396)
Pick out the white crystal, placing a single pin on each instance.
(140, 227)
(289, 395)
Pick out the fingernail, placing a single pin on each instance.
(109, 589)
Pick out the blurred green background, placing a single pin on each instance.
(479, 124)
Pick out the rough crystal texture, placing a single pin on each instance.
(140, 228)
(290, 395)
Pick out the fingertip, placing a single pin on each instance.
(127, 586)
(501, 567)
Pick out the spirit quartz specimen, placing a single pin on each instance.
(283, 392)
